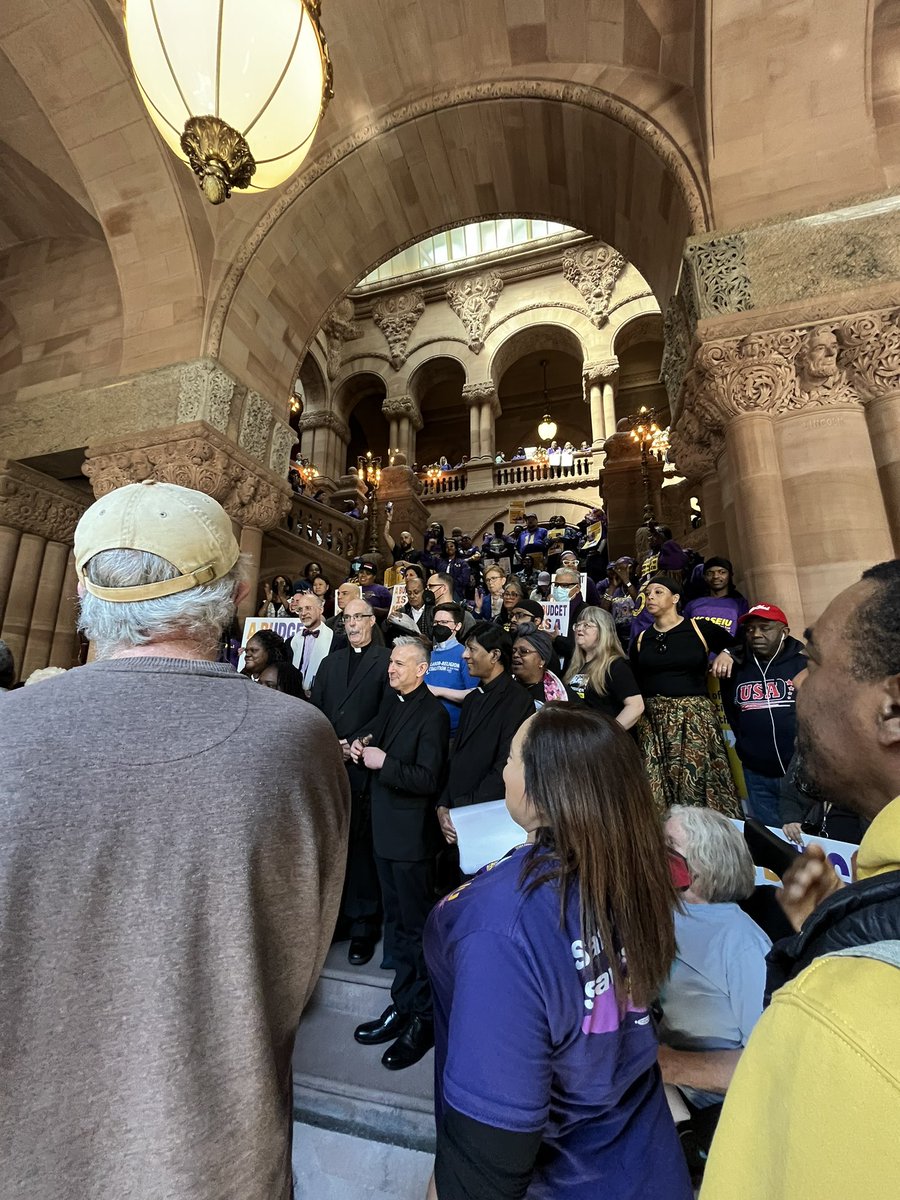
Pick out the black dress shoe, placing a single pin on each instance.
(388, 1026)
(410, 1046)
(361, 950)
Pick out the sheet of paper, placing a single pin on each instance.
(486, 832)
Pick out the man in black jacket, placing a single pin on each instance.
(349, 688)
(760, 701)
(405, 750)
(488, 720)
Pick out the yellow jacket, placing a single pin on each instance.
(813, 1110)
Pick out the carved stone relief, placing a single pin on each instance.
(339, 327)
(593, 271)
(396, 316)
(205, 394)
(472, 299)
(476, 394)
(598, 372)
(720, 274)
(195, 456)
(870, 352)
(37, 504)
(676, 348)
(283, 438)
(256, 422)
(325, 420)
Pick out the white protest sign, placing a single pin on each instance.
(398, 596)
(485, 833)
(556, 617)
(839, 854)
(285, 627)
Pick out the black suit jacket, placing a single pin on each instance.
(414, 733)
(352, 706)
(488, 720)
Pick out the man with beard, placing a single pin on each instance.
(815, 1100)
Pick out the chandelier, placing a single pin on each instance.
(369, 469)
(236, 90)
(307, 471)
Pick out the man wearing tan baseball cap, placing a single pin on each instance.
(175, 870)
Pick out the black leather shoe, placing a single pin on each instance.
(412, 1045)
(388, 1026)
(361, 950)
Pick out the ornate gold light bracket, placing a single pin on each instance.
(218, 155)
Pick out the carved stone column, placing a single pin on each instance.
(870, 353)
(599, 388)
(324, 438)
(46, 608)
(405, 418)
(64, 648)
(38, 516)
(402, 488)
(484, 406)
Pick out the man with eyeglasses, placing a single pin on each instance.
(448, 676)
(348, 689)
(440, 584)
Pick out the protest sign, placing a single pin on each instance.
(398, 596)
(593, 536)
(517, 512)
(839, 854)
(285, 627)
(556, 616)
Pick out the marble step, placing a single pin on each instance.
(342, 1086)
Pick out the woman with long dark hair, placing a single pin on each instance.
(543, 968)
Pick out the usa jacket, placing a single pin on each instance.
(761, 703)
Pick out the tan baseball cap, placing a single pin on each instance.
(189, 529)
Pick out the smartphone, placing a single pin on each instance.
(767, 849)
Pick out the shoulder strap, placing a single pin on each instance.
(699, 634)
(640, 638)
(886, 952)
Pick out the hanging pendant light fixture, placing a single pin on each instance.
(547, 427)
(236, 88)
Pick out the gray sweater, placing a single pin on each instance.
(172, 848)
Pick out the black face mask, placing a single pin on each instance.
(441, 633)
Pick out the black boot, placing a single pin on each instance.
(388, 1026)
(412, 1045)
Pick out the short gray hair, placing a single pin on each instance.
(424, 652)
(198, 615)
(716, 854)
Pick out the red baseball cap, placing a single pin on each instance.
(766, 612)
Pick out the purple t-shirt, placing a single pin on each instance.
(529, 1036)
(723, 610)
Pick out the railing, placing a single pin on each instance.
(516, 474)
(325, 527)
(446, 484)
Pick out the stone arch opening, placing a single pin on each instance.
(437, 386)
(360, 399)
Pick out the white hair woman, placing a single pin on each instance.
(714, 994)
(599, 673)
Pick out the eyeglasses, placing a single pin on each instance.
(511, 592)
(584, 625)
(353, 618)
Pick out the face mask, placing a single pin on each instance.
(441, 633)
(560, 593)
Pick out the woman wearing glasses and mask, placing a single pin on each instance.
(679, 735)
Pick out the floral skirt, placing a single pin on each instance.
(684, 754)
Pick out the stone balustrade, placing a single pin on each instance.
(326, 528)
(580, 469)
(446, 484)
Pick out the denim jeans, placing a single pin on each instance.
(762, 797)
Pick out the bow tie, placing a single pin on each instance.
(311, 632)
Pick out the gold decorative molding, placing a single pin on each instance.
(195, 456)
(37, 504)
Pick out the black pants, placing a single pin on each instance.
(407, 889)
(361, 903)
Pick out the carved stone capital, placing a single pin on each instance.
(257, 419)
(600, 371)
(676, 350)
(36, 504)
(472, 299)
(195, 456)
(870, 353)
(403, 406)
(397, 315)
(594, 271)
(754, 374)
(325, 420)
(720, 274)
(339, 327)
(476, 394)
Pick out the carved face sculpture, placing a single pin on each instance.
(246, 489)
(817, 357)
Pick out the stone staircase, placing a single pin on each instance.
(341, 1085)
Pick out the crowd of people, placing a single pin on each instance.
(608, 1001)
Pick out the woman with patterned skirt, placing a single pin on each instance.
(679, 736)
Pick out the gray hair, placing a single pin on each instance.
(716, 854)
(424, 652)
(198, 615)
